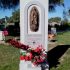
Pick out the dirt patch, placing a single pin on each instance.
(51, 45)
(4, 43)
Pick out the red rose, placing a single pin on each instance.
(22, 57)
(30, 56)
(5, 32)
(34, 63)
(26, 58)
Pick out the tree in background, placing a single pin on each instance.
(16, 16)
(10, 4)
(55, 19)
(13, 3)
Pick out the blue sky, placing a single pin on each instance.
(57, 13)
(7, 12)
(59, 10)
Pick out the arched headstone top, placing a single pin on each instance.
(40, 11)
(33, 3)
(34, 19)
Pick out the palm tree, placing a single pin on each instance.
(13, 3)
(54, 3)
(8, 3)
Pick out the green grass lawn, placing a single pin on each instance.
(64, 62)
(64, 38)
(9, 58)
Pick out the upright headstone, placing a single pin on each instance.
(53, 30)
(1, 35)
(33, 26)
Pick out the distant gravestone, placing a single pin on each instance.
(33, 27)
(1, 35)
(53, 30)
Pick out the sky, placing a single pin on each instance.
(57, 13)
(59, 10)
(6, 12)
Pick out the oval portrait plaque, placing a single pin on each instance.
(34, 19)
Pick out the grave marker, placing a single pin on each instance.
(33, 27)
(1, 35)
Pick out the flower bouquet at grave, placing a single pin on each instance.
(35, 55)
(5, 32)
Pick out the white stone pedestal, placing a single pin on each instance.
(27, 65)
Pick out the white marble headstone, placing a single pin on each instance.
(33, 38)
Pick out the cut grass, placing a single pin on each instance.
(9, 58)
(63, 38)
(65, 64)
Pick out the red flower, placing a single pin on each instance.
(22, 57)
(30, 56)
(26, 58)
(35, 55)
(5, 32)
(38, 49)
(35, 63)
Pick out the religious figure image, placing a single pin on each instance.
(34, 19)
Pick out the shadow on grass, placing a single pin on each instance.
(55, 53)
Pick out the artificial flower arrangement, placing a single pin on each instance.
(5, 32)
(35, 55)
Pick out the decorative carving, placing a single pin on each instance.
(34, 19)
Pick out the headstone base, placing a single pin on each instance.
(27, 65)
